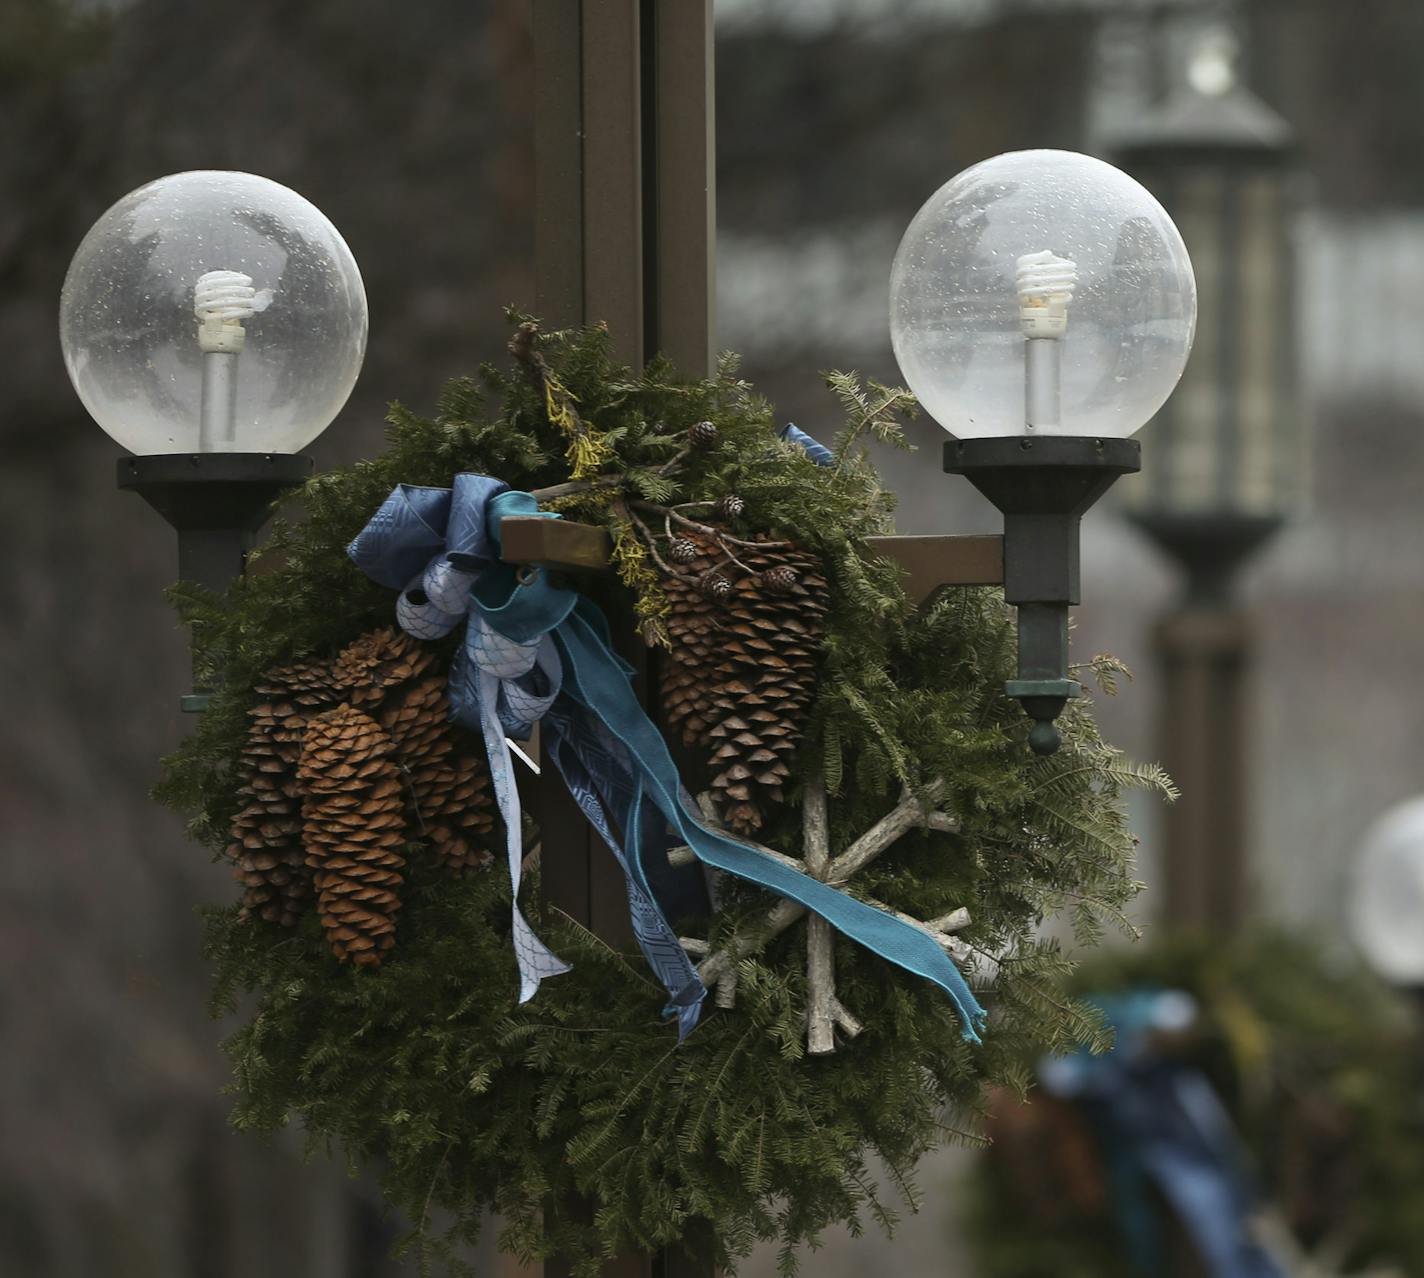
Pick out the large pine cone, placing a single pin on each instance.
(378, 662)
(448, 788)
(354, 828)
(266, 843)
(742, 673)
(445, 788)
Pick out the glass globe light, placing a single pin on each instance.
(1042, 293)
(1386, 909)
(213, 312)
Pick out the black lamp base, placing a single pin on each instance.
(215, 501)
(1043, 485)
(1211, 546)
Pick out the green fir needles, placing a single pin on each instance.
(427, 1069)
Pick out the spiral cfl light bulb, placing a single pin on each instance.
(221, 301)
(1045, 284)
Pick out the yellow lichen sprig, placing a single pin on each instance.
(650, 601)
(589, 450)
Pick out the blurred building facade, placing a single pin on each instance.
(409, 126)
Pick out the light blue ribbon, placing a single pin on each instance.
(813, 448)
(1162, 1125)
(533, 651)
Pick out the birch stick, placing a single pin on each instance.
(956, 948)
(908, 814)
(912, 811)
(820, 955)
(778, 919)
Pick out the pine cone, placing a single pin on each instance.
(702, 434)
(266, 843)
(716, 587)
(743, 674)
(449, 791)
(730, 506)
(682, 551)
(780, 580)
(376, 662)
(444, 782)
(354, 830)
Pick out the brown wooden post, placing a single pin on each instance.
(684, 209)
(1204, 654)
(623, 234)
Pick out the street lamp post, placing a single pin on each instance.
(213, 324)
(1227, 460)
(1042, 308)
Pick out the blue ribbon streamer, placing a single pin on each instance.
(812, 447)
(533, 651)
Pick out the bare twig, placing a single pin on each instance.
(524, 346)
(910, 813)
(621, 507)
(573, 487)
(820, 950)
(731, 558)
(674, 462)
(708, 530)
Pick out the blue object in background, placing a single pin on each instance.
(1159, 1123)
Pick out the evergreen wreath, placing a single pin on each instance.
(426, 1068)
(1317, 1063)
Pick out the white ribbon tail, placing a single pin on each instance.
(536, 961)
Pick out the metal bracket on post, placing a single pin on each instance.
(215, 502)
(926, 562)
(623, 235)
(1043, 486)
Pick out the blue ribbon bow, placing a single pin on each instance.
(534, 652)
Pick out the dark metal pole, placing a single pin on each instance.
(624, 225)
(1204, 653)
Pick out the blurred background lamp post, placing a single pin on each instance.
(1227, 458)
(1042, 307)
(213, 324)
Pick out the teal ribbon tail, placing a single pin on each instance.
(594, 678)
(537, 651)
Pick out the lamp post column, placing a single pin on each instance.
(623, 235)
(1204, 656)
(1228, 457)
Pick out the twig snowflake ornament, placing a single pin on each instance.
(825, 1012)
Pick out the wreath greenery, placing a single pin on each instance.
(465, 1102)
(1317, 1064)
